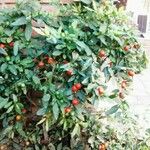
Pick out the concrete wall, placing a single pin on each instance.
(138, 7)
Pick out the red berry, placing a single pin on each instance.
(123, 84)
(41, 64)
(136, 46)
(2, 46)
(121, 95)
(50, 61)
(67, 109)
(131, 73)
(102, 53)
(69, 72)
(102, 147)
(75, 102)
(78, 86)
(65, 62)
(126, 48)
(101, 91)
(74, 89)
(24, 111)
(110, 64)
(11, 44)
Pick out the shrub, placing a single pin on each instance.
(51, 83)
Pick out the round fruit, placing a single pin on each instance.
(24, 111)
(102, 53)
(101, 91)
(65, 62)
(18, 118)
(3, 147)
(131, 73)
(50, 60)
(7, 58)
(126, 48)
(74, 88)
(102, 147)
(75, 102)
(121, 95)
(11, 44)
(27, 143)
(136, 46)
(2, 46)
(41, 64)
(67, 109)
(69, 72)
(123, 84)
(110, 64)
(78, 86)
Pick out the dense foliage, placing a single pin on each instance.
(52, 82)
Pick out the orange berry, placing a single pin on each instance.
(24, 111)
(50, 61)
(131, 73)
(102, 53)
(126, 48)
(69, 72)
(74, 89)
(41, 64)
(102, 147)
(78, 86)
(67, 109)
(123, 84)
(11, 44)
(18, 118)
(75, 102)
(2, 45)
(121, 95)
(101, 91)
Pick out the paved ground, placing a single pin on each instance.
(139, 99)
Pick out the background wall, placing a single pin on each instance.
(45, 6)
(140, 7)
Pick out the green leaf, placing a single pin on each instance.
(107, 74)
(76, 130)
(9, 109)
(17, 109)
(28, 31)
(112, 110)
(103, 40)
(41, 112)
(85, 47)
(57, 53)
(3, 102)
(112, 96)
(46, 98)
(26, 61)
(51, 146)
(86, 1)
(19, 21)
(2, 51)
(59, 147)
(12, 69)
(36, 80)
(87, 64)
(15, 99)
(16, 48)
(55, 110)
(3, 67)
